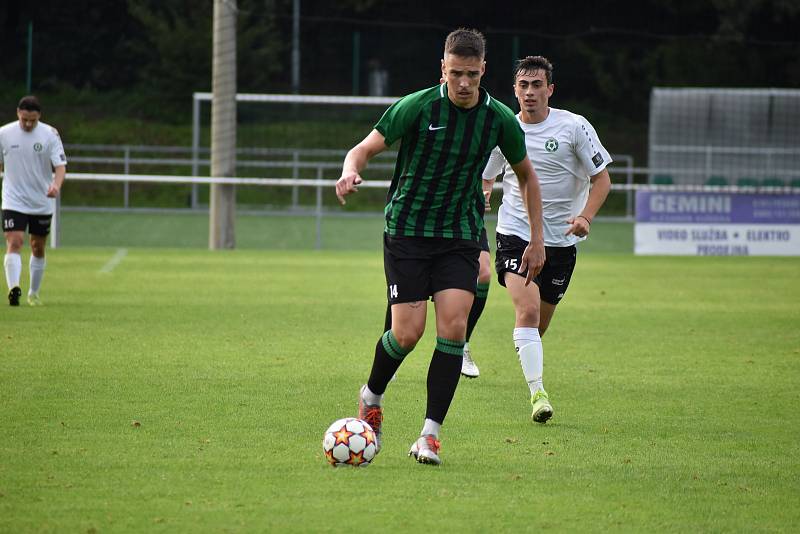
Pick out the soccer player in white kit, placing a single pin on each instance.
(571, 164)
(34, 166)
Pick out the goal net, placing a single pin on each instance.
(725, 137)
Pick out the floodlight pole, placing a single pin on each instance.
(296, 46)
(223, 126)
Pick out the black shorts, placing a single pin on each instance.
(553, 279)
(14, 221)
(484, 242)
(418, 267)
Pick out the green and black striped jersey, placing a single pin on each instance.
(436, 187)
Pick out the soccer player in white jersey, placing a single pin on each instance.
(571, 164)
(34, 166)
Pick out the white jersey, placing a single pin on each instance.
(28, 159)
(565, 151)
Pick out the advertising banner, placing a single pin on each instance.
(717, 224)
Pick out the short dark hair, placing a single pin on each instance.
(465, 42)
(532, 64)
(29, 103)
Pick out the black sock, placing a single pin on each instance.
(388, 357)
(443, 374)
(478, 304)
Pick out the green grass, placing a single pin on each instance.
(271, 232)
(188, 390)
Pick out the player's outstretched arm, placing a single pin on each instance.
(355, 162)
(580, 224)
(533, 257)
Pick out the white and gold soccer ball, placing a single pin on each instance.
(349, 441)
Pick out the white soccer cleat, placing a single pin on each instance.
(34, 300)
(426, 450)
(468, 367)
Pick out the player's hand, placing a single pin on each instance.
(347, 184)
(532, 260)
(487, 206)
(578, 226)
(52, 191)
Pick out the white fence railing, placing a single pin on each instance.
(326, 186)
(196, 159)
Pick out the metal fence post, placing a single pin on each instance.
(629, 193)
(295, 175)
(126, 187)
(319, 208)
(195, 145)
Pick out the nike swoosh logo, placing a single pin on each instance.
(432, 128)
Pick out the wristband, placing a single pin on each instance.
(585, 219)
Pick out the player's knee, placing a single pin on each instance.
(484, 275)
(528, 315)
(453, 328)
(13, 243)
(408, 335)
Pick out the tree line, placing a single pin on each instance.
(608, 53)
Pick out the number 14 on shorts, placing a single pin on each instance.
(392, 291)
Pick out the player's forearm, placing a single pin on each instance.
(601, 186)
(487, 185)
(355, 160)
(532, 198)
(358, 156)
(59, 175)
(534, 207)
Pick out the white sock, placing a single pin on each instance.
(431, 427)
(531, 356)
(13, 267)
(37, 266)
(371, 398)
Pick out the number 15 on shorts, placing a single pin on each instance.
(511, 263)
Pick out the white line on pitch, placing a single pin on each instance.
(115, 260)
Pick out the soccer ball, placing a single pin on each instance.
(349, 441)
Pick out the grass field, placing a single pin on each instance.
(182, 390)
(259, 232)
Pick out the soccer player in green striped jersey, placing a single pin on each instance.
(434, 218)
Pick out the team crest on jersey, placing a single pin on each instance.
(37, 147)
(551, 145)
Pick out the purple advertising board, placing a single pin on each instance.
(717, 223)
